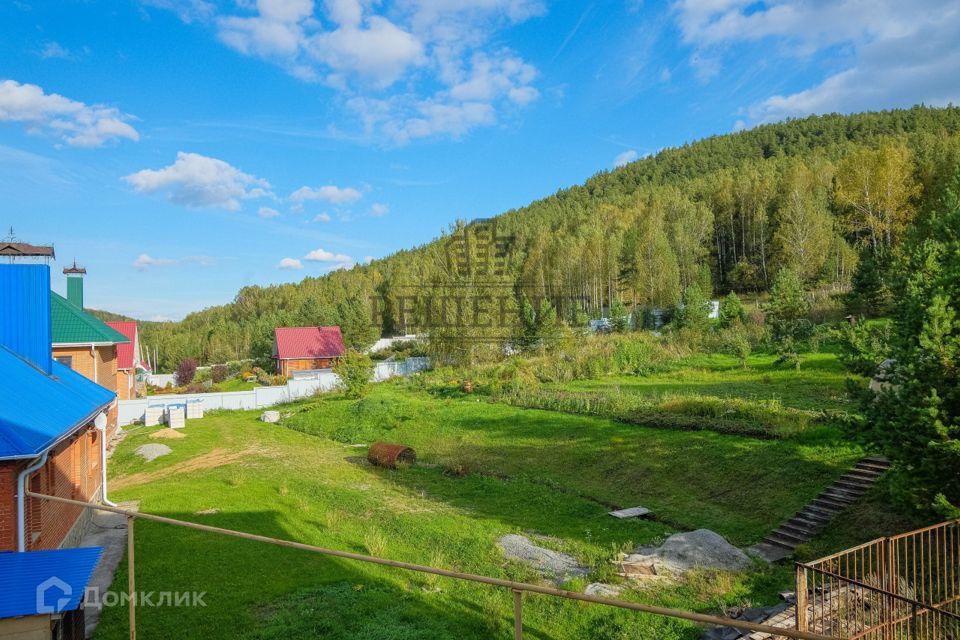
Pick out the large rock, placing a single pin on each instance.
(681, 552)
(270, 416)
(553, 564)
(150, 452)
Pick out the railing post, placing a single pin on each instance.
(889, 580)
(131, 580)
(913, 623)
(801, 593)
(517, 614)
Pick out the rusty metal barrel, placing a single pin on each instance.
(388, 455)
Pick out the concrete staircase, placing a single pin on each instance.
(810, 520)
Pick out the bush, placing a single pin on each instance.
(731, 310)
(185, 372)
(355, 370)
(735, 342)
(694, 311)
(218, 373)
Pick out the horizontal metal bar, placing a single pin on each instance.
(509, 584)
(941, 525)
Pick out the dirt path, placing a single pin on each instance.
(215, 458)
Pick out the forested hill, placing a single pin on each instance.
(818, 195)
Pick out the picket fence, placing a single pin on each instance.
(302, 385)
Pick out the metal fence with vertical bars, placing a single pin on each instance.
(902, 587)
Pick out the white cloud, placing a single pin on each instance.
(290, 263)
(187, 10)
(267, 212)
(322, 255)
(74, 122)
(438, 49)
(328, 193)
(194, 180)
(322, 217)
(145, 261)
(625, 158)
(368, 259)
(900, 53)
(56, 50)
(379, 209)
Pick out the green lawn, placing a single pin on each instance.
(499, 469)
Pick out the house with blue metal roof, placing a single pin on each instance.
(52, 436)
(41, 593)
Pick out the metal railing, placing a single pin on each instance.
(517, 588)
(901, 587)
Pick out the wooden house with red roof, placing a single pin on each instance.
(306, 348)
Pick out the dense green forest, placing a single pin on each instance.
(826, 197)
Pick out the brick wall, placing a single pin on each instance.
(103, 360)
(72, 471)
(8, 505)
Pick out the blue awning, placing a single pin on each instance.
(45, 582)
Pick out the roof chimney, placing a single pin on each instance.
(25, 313)
(75, 284)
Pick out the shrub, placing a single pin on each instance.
(355, 370)
(734, 341)
(185, 372)
(218, 373)
(731, 310)
(694, 312)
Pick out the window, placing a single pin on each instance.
(66, 361)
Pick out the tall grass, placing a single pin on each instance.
(757, 418)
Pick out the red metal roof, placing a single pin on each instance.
(125, 349)
(308, 342)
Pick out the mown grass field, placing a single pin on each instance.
(491, 469)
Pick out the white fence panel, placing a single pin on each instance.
(305, 384)
(161, 379)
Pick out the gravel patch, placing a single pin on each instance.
(150, 452)
(552, 564)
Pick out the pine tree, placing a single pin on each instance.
(915, 421)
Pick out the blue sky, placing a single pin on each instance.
(182, 149)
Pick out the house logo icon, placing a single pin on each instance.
(53, 589)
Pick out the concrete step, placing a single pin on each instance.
(868, 465)
(866, 472)
(790, 536)
(850, 487)
(814, 515)
(843, 497)
(802, 523)
(780, 541)
(829, 504)
(856, 481)
(801, 532)
(818, 512)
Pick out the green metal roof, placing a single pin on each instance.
(71, 325)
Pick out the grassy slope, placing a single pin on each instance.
(539, 472)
